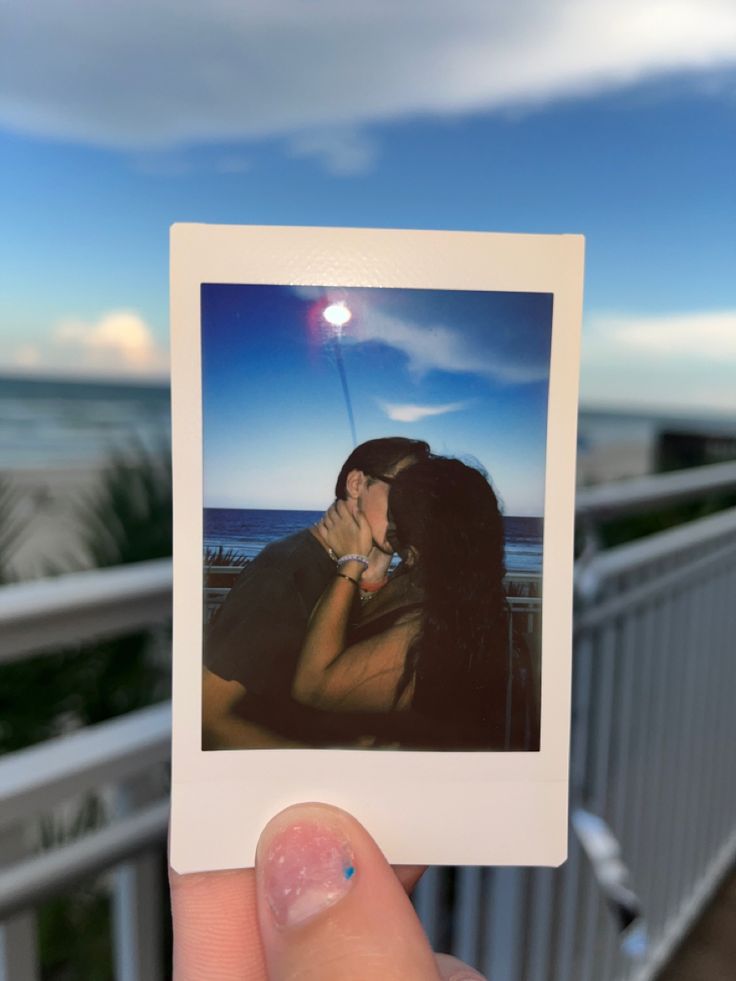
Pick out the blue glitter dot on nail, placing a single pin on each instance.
(349, 872)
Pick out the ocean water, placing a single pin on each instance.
(246, 531)
(52, 423)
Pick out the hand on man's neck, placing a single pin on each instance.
(317, 532)
(314, 529)
(379, 560)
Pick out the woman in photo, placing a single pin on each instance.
(432, 648)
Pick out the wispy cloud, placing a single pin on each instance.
(708, 336)
(118, 344)
(192, 73)
(341, 152)
(441, 348)
(681, 360)
(172, 164)
(232, 163)
(408, 412)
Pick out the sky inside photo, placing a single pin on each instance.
(467, 371)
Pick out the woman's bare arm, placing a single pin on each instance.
(363, 677)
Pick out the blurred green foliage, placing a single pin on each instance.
(11, 529)
(74, 937)
(127, 518)
(627, 529)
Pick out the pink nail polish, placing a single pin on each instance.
(307, 868)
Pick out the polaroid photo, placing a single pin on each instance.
(374, 441)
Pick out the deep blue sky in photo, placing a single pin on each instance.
(466, 371)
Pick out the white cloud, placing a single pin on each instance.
(678, 361)
(232, 163)
(407, 412)
(179, 163)
(701, 336)
(167, 165)
(341, 152)
(27, 356)
(441, 348)
(171, 72)
(117, 344)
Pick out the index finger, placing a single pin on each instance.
(216, 932)
(216, 926)
(343, 511)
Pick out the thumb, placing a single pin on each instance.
(330, 906)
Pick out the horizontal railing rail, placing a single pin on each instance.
(640, 494)
(234, 570)
(37, 778)
(47, 614)
(214, 596)
(31, 881)
(644, 560)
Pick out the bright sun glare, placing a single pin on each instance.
(337, 314)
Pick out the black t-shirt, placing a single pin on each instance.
(257, 634)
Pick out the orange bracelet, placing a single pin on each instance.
(373, 587)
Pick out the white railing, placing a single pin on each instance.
(652, 731)
(124, 760)
(82, 606)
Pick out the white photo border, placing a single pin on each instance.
(443, 808)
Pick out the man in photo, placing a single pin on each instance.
(253, 642)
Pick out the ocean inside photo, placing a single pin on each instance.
(244, 532)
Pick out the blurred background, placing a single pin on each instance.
(610, 119)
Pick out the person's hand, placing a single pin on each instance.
(378, 563)
(322, 905)
(345, 532)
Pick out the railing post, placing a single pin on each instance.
(467, 922)
(427, 898)
(19, 960)
(505, 925)
(137, 897)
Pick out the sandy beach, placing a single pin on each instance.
(48, 513)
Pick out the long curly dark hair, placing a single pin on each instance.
(446, 514)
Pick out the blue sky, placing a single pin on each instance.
(614, 120)
(276, 424)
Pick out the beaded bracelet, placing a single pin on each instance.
(363, 559)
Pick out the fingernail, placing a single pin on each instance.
(307, 868)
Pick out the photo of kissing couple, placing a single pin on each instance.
(406, 614)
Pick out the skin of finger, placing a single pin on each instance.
(215, 923)
(409, 875)
(372, 933)
(366, 535)
(216, 933)
(451, 969)
(348, 533)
